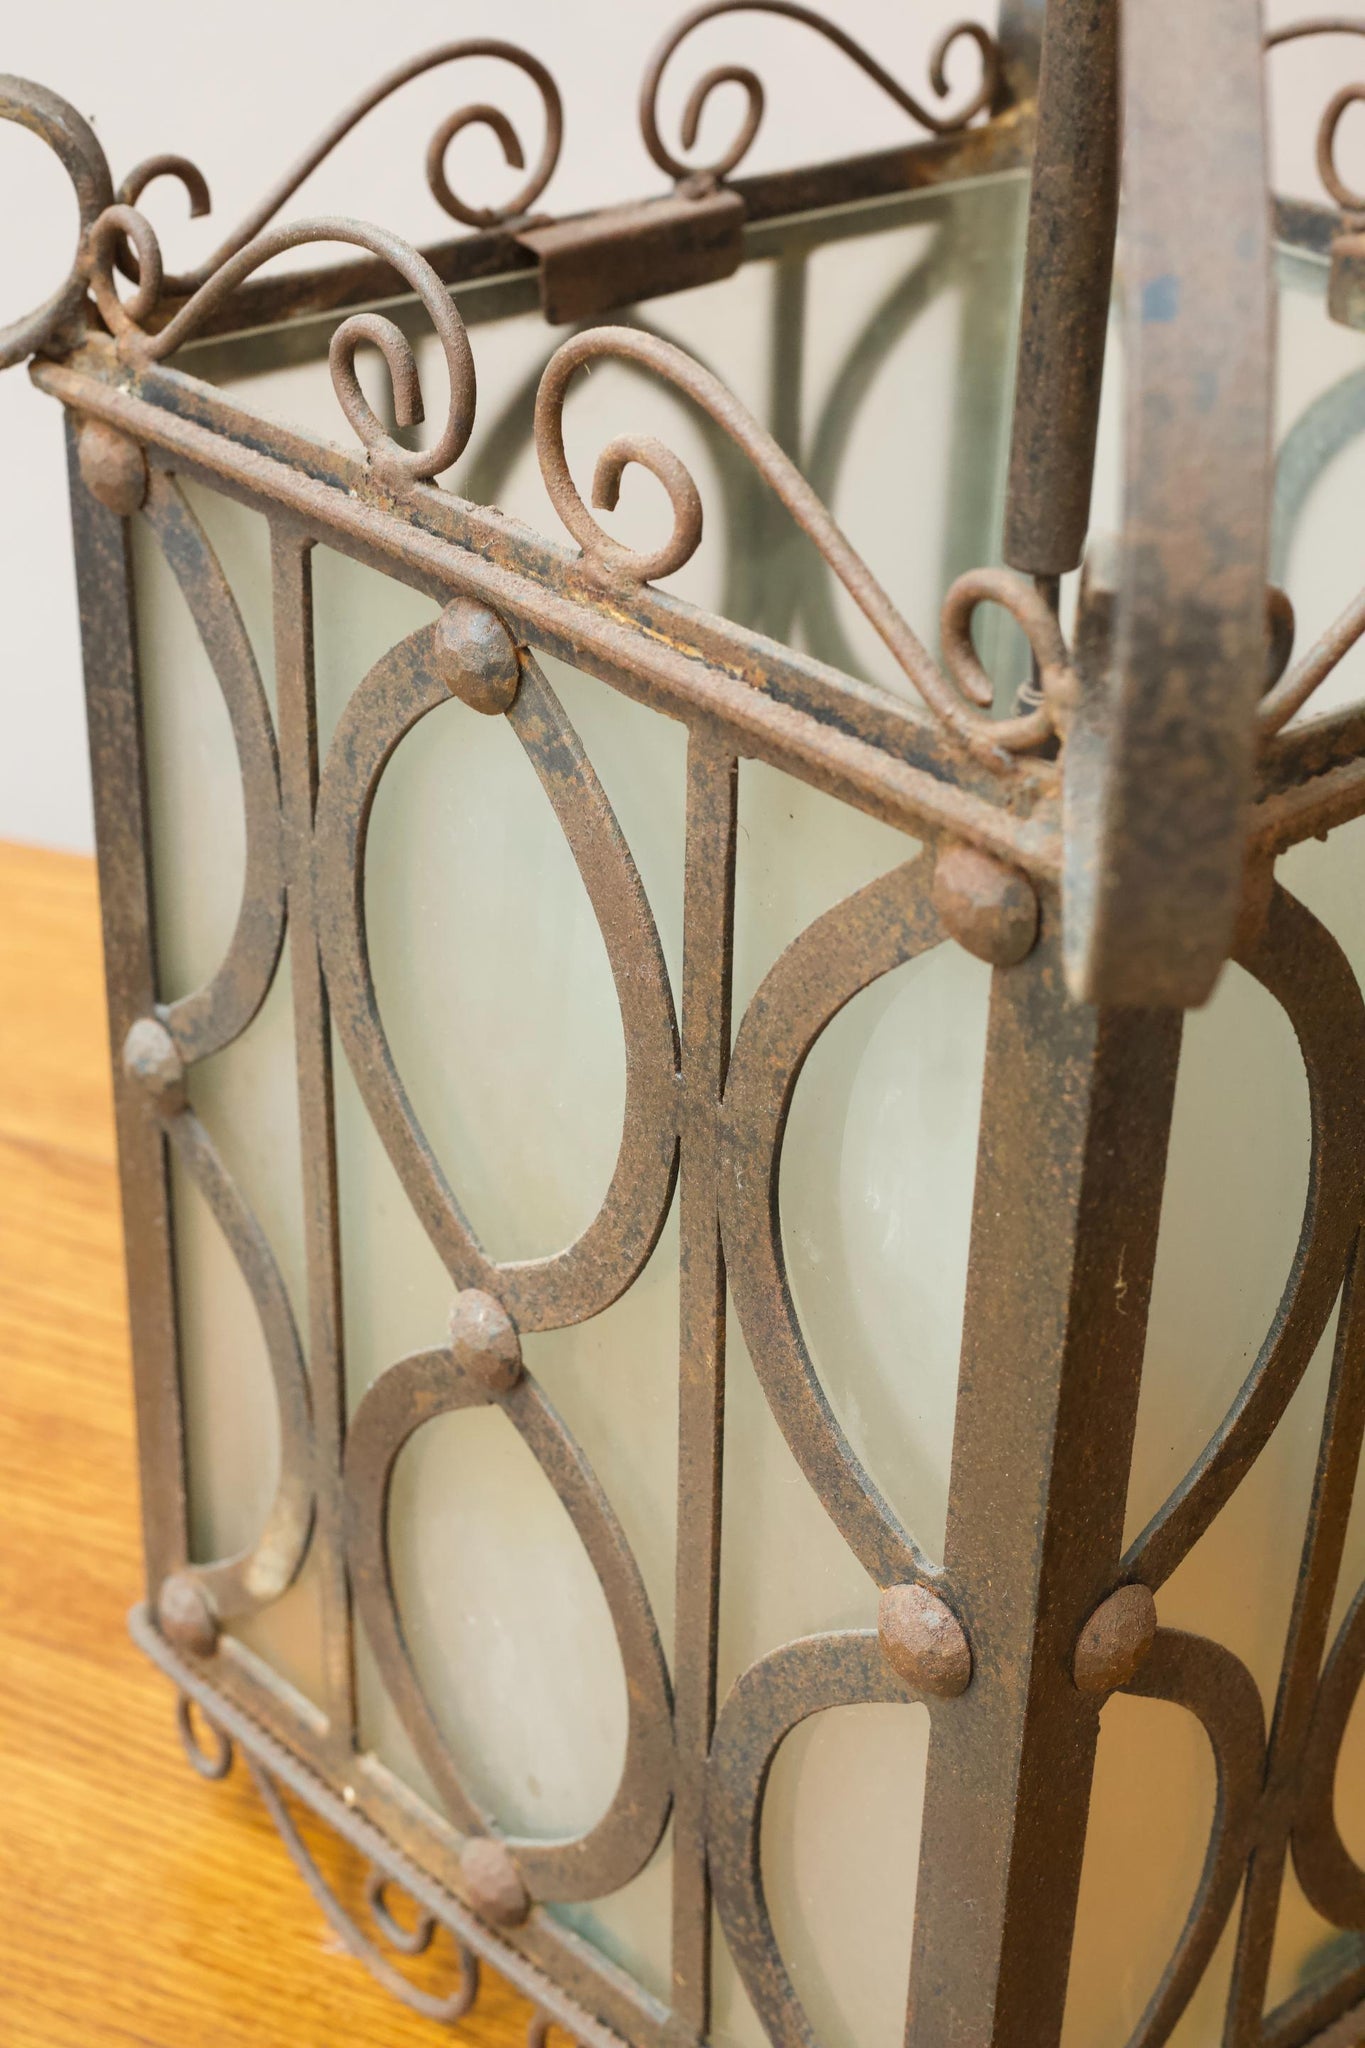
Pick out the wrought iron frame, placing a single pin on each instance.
(1106, 848)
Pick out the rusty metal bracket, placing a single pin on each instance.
(596, 262)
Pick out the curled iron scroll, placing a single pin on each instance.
(443, 2010)
(72, 140)
(189, 175)
(959, 698)
(1159, 758)
(1346, 196)
(752, 87)
(394, 465)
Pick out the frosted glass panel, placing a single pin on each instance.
(879, 1165)
(507, 1626)
(246, 1094)
(875, 342)
(1320, 469)
(877, 346)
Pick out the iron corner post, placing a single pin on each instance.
(1070, 1168)
(104, 583)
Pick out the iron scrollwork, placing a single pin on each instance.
(699, 177)
(985, 1635)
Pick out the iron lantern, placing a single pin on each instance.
(618, 1223)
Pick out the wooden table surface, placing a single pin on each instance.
(138, 1905)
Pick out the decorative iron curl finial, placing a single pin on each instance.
(733, 74)
(1347, 198)
(957, 698)
(72, 140)
(393, 465)
(182, 283)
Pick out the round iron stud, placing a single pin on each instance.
(493, 1882)
(484, 1341)
(114, 468)
(477, 658)
(151, 1059)
(1114, 1642)
(924, 1642)
(185, 1615)
(989, 908)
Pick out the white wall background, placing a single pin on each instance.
(241, 88)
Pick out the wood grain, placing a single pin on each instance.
(138, 1905)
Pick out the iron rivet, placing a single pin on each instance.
(1114, 1642)
(150, 1058)
(493, 1882)
(484, 1341)
(989, 908)
(114, 468)
(924, 1642)
(477, 658)
(185, 1615)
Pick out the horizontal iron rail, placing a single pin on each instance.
(828, 730)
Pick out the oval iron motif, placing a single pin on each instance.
(211, 1017)
(1208, 1681)
(805, 1677)
(880, 927)
(415, 1391)
(573, 1284)
(1301, 965)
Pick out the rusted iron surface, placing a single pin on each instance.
(280, 1777)
(74, 143)
(114, 468)
(1064, 321)
(1168, 727)
(989, 908)
(1001, 144)
(1116, 1640)
(1070, 1167)
(923, 1641)
(600, 261)
(1160, 774)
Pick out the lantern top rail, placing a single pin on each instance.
(986, 774)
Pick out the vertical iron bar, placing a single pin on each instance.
(292, 590)
(1020, 36)
(1343, 1431)
(708, 932)
(104, 584)
(1068, 272)
(1070, 1167)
